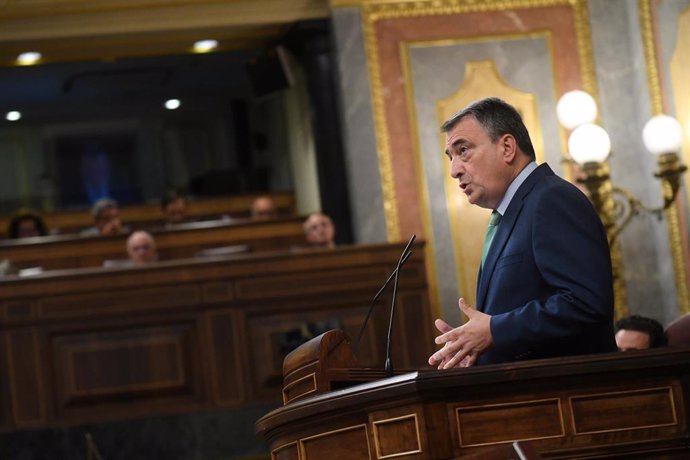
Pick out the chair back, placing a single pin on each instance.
(678, 331)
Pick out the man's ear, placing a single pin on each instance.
(509, 148)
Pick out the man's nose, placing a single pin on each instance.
(456, 168)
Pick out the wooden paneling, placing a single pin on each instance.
(523, 420)
(150, 215)
(90, 345)
(26, 377)
(125, 363)
(624, 410)
(186, 240)
(350, 443)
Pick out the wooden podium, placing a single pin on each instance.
(617, 405)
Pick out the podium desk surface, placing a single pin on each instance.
(615, 404)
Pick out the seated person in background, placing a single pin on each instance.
(25, 224)
(319, 231)
(141, 248)
(636, 332)
(174, 207)
(106, 218)
(263, 208)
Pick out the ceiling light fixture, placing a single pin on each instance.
(13, 115)
(172, 104)
(204, 46)
(29, 58)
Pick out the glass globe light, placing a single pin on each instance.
(576, 108)
(589, 142)
(662, 134)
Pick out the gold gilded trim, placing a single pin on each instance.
(392, 420)
(425, 203)
(657, 105)
(482, 79)
(373, 11)
(390, 209)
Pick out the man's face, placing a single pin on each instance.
(108, 221)
(627, 339)
(176, 211)
(141, 249)
(477, 163)
(28, 228)
(319, 230)
(263, 209)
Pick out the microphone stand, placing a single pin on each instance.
(406, 255)
(388, 366)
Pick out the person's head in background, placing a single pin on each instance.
(319, 230)
(25, 224)
(637, 332)
(174, 207)
(141, 248)
(106, 217)
(263, 208)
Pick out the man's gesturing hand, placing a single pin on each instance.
(462, 345)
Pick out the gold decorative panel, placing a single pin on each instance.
(481, 80)
(676, 224)
(680, 65)
(391, 29)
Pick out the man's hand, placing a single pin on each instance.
(462, 345)
(112, 227)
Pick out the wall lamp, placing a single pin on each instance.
(589, 146)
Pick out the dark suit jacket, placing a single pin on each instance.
(547, 279)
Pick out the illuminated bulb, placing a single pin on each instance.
(172, 104)
(13, 115)
(576, 108)
(29, 58)
(204, 46)
(662, 134)
(589, 142)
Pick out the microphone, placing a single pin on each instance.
(403, 258)
(388, 366)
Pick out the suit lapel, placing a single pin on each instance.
(503, 232)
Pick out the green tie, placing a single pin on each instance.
(490, 232)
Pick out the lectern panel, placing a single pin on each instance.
(649, 408)
(350, 443)
(397, 436)
(540, 419)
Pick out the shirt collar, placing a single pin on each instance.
(514, 186)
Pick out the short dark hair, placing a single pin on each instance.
(497, 117)
(169, 196)
(101, 205)
(657, 336)
(22, 215)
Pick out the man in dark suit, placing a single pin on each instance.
(545, 285)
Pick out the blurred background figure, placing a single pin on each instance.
(26, 223)
(637, 332)
(174, 207)
(106, 218)
(263, 208)
(319, 231)
(141, 248)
